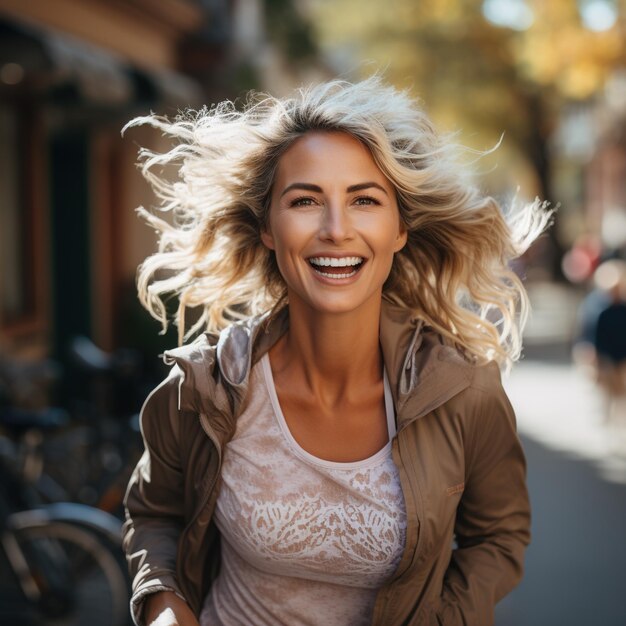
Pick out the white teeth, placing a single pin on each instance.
(336, 262)
(352, 273)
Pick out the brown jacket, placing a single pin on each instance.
(461, 467)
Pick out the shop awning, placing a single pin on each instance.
(51, 60)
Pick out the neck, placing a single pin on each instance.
(333, 352)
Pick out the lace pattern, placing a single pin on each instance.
(288, 518)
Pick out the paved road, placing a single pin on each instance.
(576, 564)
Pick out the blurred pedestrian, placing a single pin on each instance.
(312, 462)
(584, 349)
(609, 337)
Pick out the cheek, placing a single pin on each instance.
(282, 240)
(291, 231)
(386, 237)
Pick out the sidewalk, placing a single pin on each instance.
(562, 409)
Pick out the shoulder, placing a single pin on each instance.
(478, 395)
(489, 418)
(484, 377)
(159, 416)
(483, 403)
(442, 354)
(193, 378)
(209, 375)
(485, 391)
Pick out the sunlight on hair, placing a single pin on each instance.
(453, 273)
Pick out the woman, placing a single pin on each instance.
(313, 462)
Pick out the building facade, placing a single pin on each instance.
(72, 73)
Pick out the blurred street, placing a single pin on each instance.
(576, 563)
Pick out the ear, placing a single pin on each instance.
(401, 238)
(267, 238)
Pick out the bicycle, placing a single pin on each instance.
(90, 457)
(61, 564)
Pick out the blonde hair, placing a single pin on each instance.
(453, 272)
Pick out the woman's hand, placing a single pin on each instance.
(165, 608)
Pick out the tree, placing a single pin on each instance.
(471, 73)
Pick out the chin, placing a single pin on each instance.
(335, 304)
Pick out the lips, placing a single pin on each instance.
(336, 267)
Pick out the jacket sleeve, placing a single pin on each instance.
(493, 518)
(154, 499)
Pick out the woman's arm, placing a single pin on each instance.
(154, 499)
(493, 519)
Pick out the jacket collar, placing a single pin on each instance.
(423, 371)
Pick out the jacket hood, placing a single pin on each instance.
(212, 363)
(214, 369)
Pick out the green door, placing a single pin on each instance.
(70, 233)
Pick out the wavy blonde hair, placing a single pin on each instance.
(453, 272)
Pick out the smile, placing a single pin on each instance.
(336, 267)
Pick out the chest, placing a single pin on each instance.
(350, 430)
(285, 511)
(346, 434)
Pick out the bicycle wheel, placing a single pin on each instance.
(80, 579)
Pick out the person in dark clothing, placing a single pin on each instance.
(609, 337)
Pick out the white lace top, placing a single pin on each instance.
(304, 540)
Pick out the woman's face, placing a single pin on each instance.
(333, 223)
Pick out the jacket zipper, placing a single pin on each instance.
(382, 602)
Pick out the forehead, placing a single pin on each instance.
(331, 155)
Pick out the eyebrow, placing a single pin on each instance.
(318, 189)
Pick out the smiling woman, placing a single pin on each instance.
(315, 452)
(348, 218)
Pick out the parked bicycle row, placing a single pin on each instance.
(63, 473)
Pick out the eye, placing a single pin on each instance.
(302, 201)
(366, 201)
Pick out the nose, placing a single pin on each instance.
(335, 223)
